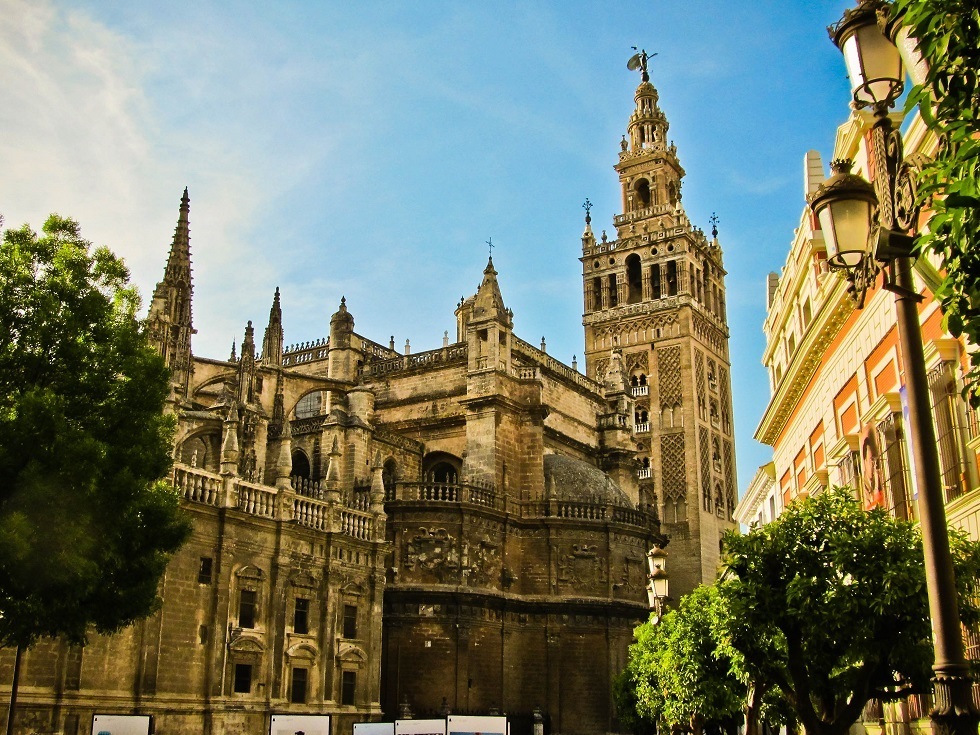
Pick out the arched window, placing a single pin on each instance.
(310, 405)
(634, 279)
(655, 287)
(441, 468)
(301, 465)
(642, 189)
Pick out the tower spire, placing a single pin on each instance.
(273, 340)
(169, 322)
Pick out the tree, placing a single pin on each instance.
(87, 525)
(949, 184)
(827, 605)
(683, 671)
(676, 671)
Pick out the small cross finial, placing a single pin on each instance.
(587, 206)
(714, 224)
(491, 246)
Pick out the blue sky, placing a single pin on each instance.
(369, 149)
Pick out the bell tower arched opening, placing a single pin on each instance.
(634, 279)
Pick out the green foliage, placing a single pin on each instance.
(949, 101)
(86, 523)
(677, 673)
(827, 604)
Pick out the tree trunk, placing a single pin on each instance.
(753, 707)
(13, 691)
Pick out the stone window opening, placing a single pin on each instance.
(243, 678)
(655, 286)
(613, 292)
(248, 603)
(301, 465)
(643, 196)
(672, 278)
(299, 684)
(634, 279)
(205, 570)
(348, 687)
(301, 616)
(349, 623)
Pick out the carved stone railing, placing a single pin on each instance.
(311, 513)
(197, 485)
(443, 492)
(643, 428)
(641, 390)
(257, 500)
(357, 524)
(306, 352)
(377, 351)
(298, 505)
(532, 353)
(305, 486)
(644, 473)
(585, 510)
(443, 355)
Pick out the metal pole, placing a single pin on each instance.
(953, 712)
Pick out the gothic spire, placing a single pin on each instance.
(273, 340)
(169, 322)
(489, 304)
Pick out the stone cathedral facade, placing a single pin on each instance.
(463, 529)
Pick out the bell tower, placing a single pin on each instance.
(656, 295)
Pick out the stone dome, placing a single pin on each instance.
(574, 480)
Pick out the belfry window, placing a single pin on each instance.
(642, 189)
(655, 281)
(672, 278)
(634, 279)
(613, 292)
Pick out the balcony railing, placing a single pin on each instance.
(644, 473)
(641, 390)
(300, 505)
(643, 428)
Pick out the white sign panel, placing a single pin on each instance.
(420, 727)
(300, 725)
(374, 728)
(466, 725)
(122, 724)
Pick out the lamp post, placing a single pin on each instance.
(869, 231)
(658, 587)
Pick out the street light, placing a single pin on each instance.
(870, 232)
(659, 582)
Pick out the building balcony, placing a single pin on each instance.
(641, 390)
(644, 473)
(643, 428)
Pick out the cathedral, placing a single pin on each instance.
(381, 535)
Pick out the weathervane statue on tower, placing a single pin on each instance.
(639, 61)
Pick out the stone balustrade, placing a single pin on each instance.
(447, 493)
(546, 361)
(197, 485)
(300, 505)
(443, 355)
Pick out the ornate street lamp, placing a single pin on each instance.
(883, 242)
(659, 583)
